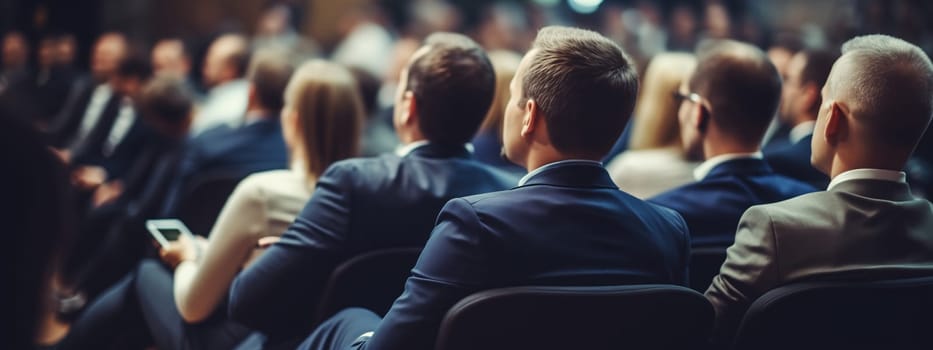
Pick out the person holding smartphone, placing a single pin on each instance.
(182, 307)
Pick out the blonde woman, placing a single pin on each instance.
(487, 144)
(321, 122)
(655, 160)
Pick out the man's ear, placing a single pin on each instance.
(530, 118)
(836, 123)
(251, 96)
(409, 108)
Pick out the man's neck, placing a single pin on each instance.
(539, 158)
(256, 114)
(714, 149)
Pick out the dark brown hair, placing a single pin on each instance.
(742, 86)
(584, 85)
(816, 70)
(453, 84)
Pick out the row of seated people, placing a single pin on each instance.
(566, 222)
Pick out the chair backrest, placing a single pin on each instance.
(609, 317)
(371, 280)
(893, 314)
(202, 202)
(704, 265)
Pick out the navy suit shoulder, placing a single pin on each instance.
(713, 206)
(359, 205)
(569, 225)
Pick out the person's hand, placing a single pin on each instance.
(88, 177)
(107, 193)
(265, 242)
(183, 249)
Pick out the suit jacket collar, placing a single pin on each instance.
(433, 150)
(743, 166)
(573, 174)
(877, 189)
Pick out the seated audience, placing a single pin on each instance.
(726, 106)
(257, 145)
(866, 225)
(113, 239)
(655, 160)
(115, 149)
(222, 74)
(390, 201)
(93, 105)
(565, 224)
(487, 144)
(322, 117)
(800, 101)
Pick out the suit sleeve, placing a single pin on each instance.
(749, 271)
(278, 293)
(454, 264)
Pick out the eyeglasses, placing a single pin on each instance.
(692, 97)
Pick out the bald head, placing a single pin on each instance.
(887, 85)
(109, 51)
(742, 87)
(226, 59)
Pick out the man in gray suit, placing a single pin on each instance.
(866, 225)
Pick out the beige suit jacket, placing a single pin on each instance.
(860, 229)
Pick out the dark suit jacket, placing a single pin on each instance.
(712, 207)
(568, 225)
(237, 152)
(860, 230)
(359, 205)
(66, 125)
(794, 161)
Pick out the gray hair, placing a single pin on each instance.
(886, 78)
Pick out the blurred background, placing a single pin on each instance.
(645, 27)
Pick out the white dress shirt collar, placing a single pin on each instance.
(704, 168)
(537, 171)
(868, 174)
(404, 150)
(801, 130)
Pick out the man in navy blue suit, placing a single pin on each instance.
(257, 145)
(365, 204)
(565, 224)
(806, 73)
(726, 107)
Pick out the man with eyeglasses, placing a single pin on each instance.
(725, 108)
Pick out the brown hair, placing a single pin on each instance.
(269, 73)
(584, 85)
(330, 113)
(453, 84)
(742, 86)
(166, 102)
(655, 123)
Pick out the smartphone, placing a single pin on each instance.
(166, 230)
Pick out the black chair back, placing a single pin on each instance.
(202, 202)
(609, 317)
(704, 265)
(893, 314)
(371, 280)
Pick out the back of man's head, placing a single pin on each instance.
(584, 85)
(818, 64)
(227, 59)
(453, 83)
(166, 102)
(269, 73)
(887, 85)
(742, 86)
